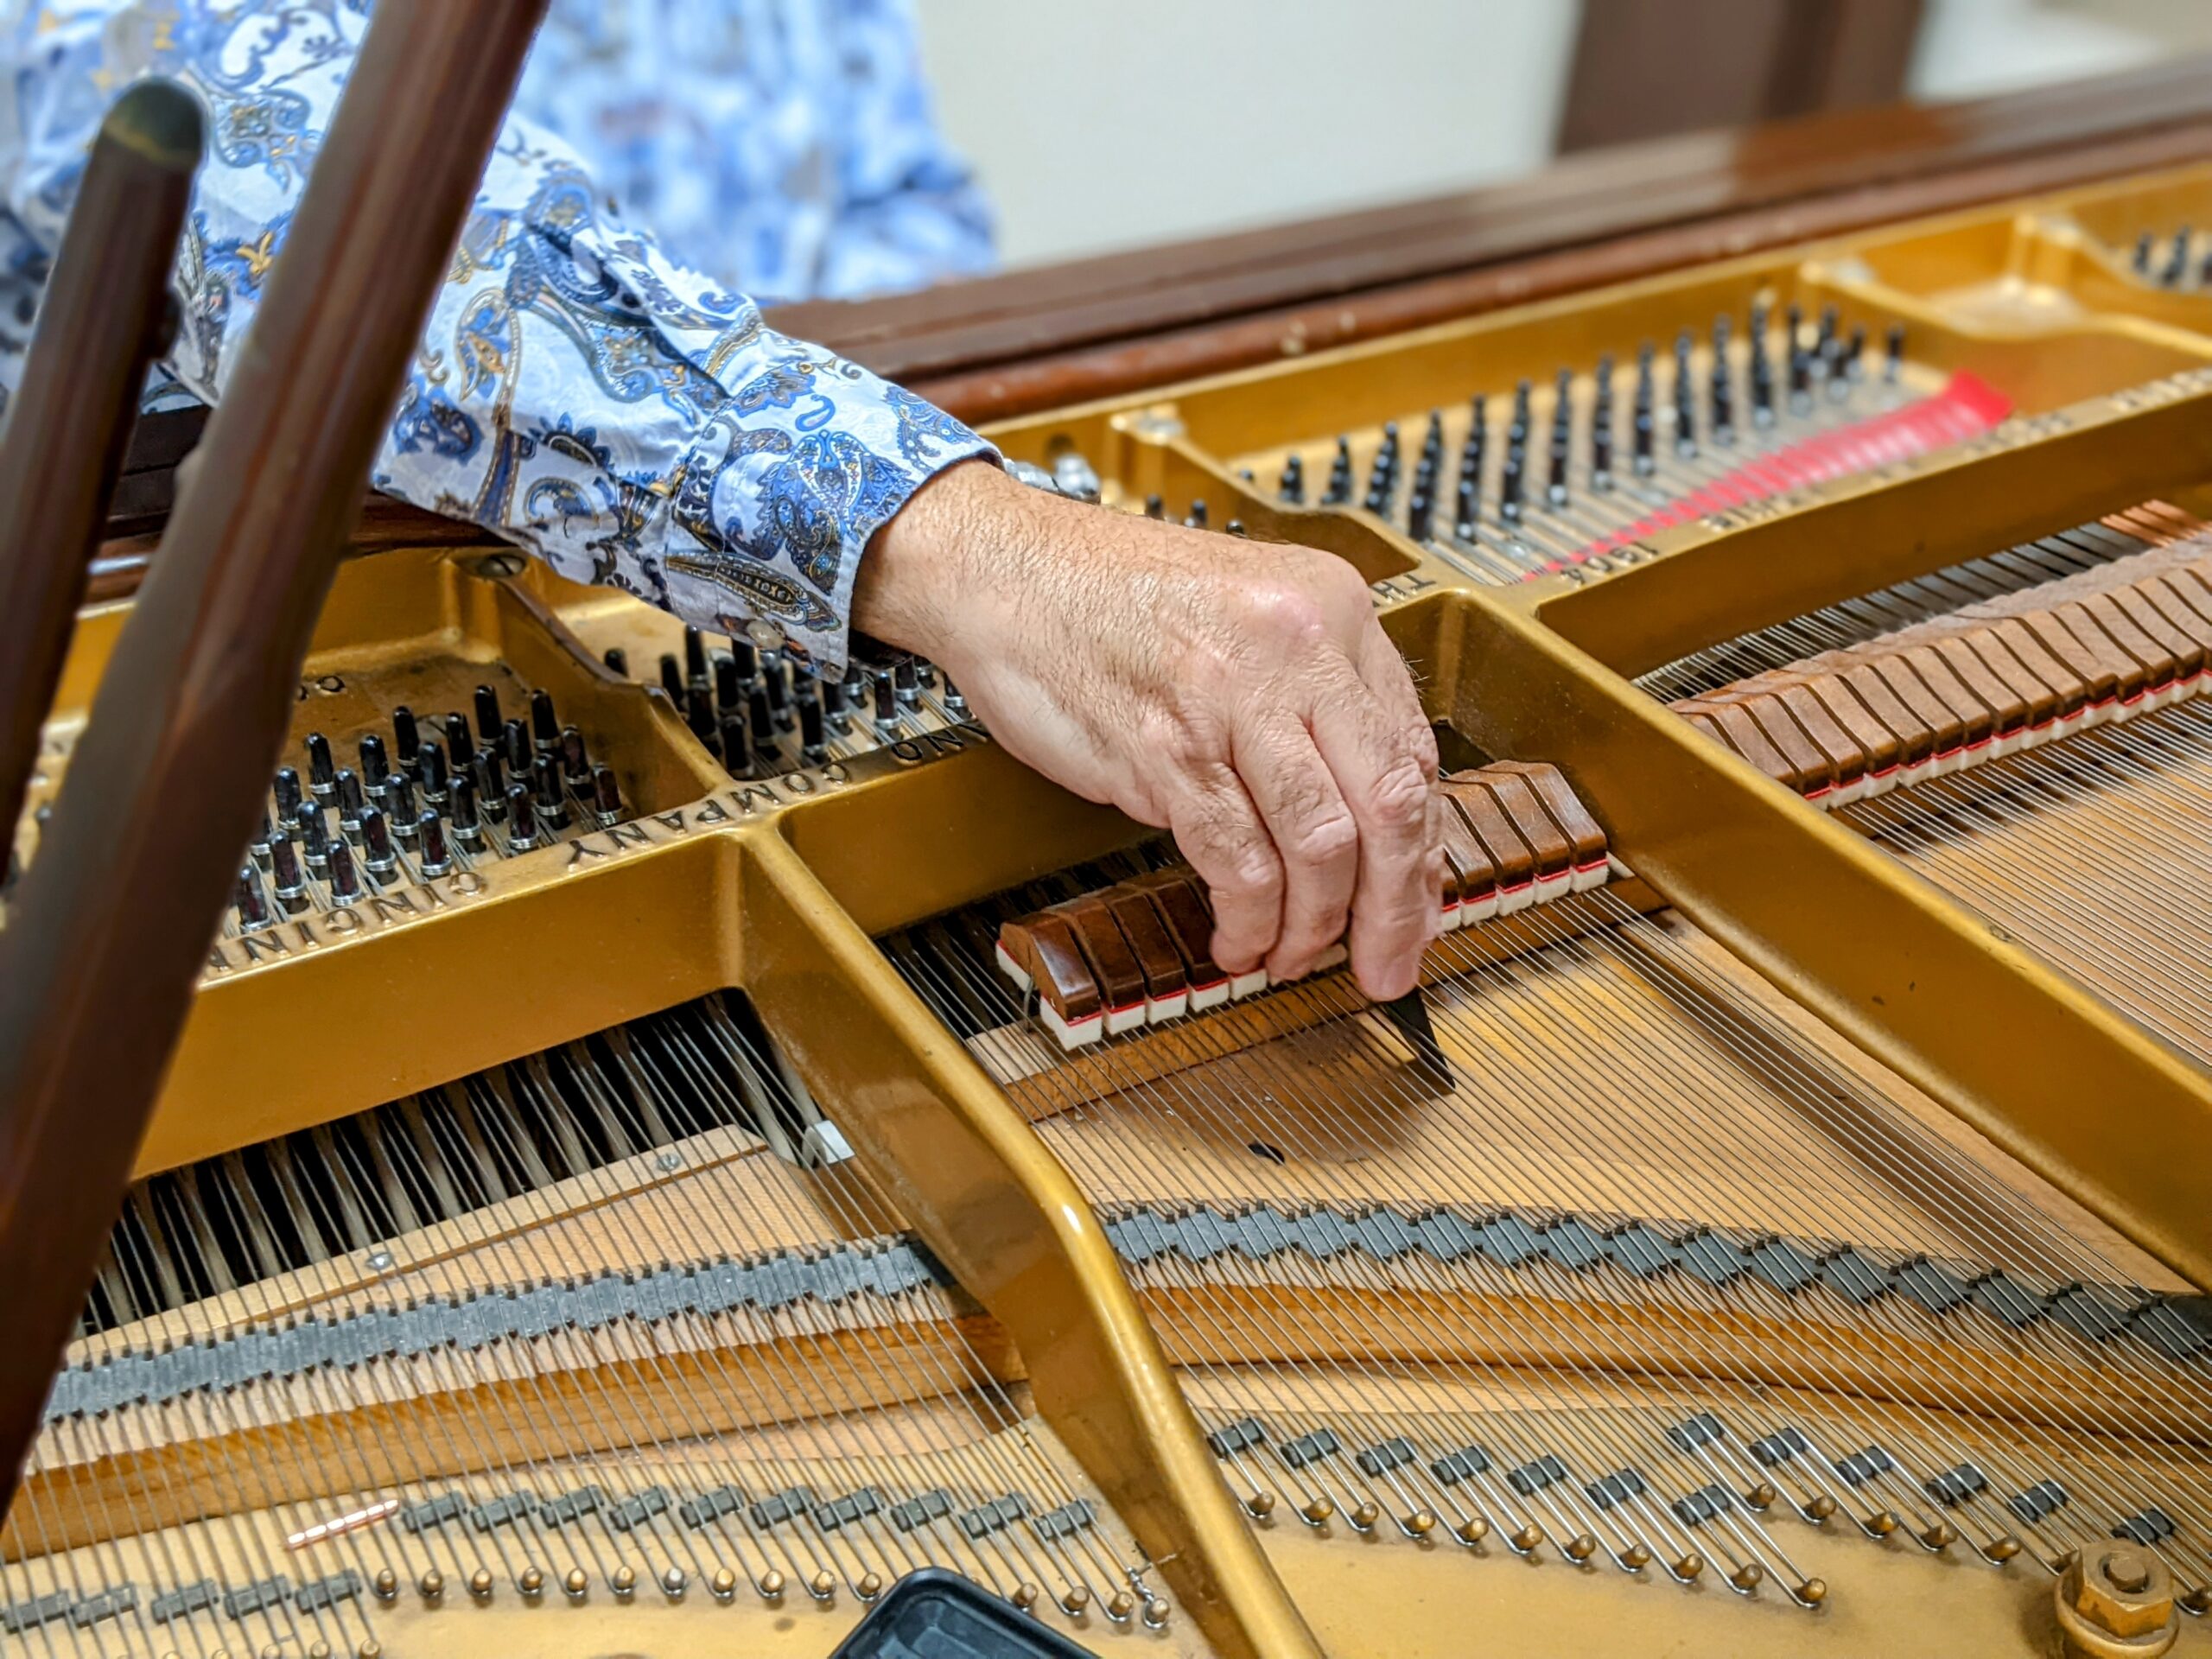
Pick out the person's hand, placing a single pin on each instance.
(1239, 693)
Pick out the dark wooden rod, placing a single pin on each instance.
(100, 954)
(99, 325)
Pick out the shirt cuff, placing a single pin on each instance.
(772, 551)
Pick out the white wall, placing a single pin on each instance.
(1969, 48)
(1109, 124)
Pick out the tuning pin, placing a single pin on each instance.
(1854, 352)
(737, 747)
(811, 738)
(1291, 488)
(761, 719)
(1563, 436)
(1466, 512)
(729, 688)
(259, 845)
(1155, 507)
(1831, 320)
(488, 720)
(1470, 453)
(1722, 394)
(515, 747)
(953, 699)
(1800, 380)
(1894, 363)
(743, 653)
(1601, 429)
(406, 738)
(902, 683)
(376, 767)
(322, 774)
(1508, 487)
(886, 707)
(699, 713)
(433, 769)
(1835, 367)
(376, 850)
(2143, 245)
(467, 822)
(252, 904)
(1761, 378)
(695, 655)
(575, 760)
(1644, 421)
(1516, 430)
(773, 681)
(605, 797)
(671, 675)
(433, 856)
(312, 834)
(544, 725)
(1421, 504)
(350, 800)
(345, 874)
(491, 775)
(1383, 476)
(1196, 518)
(287, 789)
(399, 804)
(1685, 397)
(1431, 441)
(522, 819)
(2177, 263)
(552, 794)
(285, 875)
(1339, 488)
(460, 737)
(617, 661)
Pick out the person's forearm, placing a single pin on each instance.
(577, 391)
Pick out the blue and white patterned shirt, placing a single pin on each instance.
(608, 398)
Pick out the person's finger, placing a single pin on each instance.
(1316, 836)
(1218, 829)
(1387, 676)
(1384, 767)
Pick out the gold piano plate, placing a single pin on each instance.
(1284, 1346)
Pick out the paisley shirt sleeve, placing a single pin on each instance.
(577, 391)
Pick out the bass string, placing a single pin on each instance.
(855, 1198)
(1374, 1344)
(1799, 1379)
(1986, 837)
(2154, 1389)
(1309, 1497)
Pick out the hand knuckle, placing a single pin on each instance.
(1398, 798)
(1421, 742)
(1251, 873)
(1287, 611)
(1342, 585)
(1324, 838)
